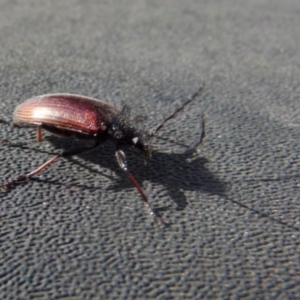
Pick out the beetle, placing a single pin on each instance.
(69, 115)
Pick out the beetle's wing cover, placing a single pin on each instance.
(66, 111)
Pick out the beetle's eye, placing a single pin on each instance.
(135, 140)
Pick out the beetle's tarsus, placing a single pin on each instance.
(155, 217)
(20, 179)
(4, 188)
(159, 221)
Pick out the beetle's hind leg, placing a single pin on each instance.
(23, 178)
(39, 137)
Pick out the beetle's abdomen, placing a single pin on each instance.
(69, 112)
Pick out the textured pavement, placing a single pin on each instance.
(79, 230)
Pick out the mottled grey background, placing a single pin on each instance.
(79, 230)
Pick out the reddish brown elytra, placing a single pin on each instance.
(87, 118)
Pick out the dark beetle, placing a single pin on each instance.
(88, 118)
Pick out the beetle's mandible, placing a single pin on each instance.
(88, 118)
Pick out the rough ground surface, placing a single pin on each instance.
(79, 230)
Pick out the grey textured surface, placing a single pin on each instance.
(79, 230)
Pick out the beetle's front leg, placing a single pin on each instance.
(121, 159)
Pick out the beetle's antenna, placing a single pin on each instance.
(189, 100)
(193, 148)
(189, 150)
(126, 110)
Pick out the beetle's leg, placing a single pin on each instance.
(121, 159)
(39, 136)
(189, 100)
(5, 122)
(2, 142)
(23, 178)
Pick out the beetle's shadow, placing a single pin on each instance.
(176, 172)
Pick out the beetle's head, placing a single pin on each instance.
(139, 141)
(122, 131)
